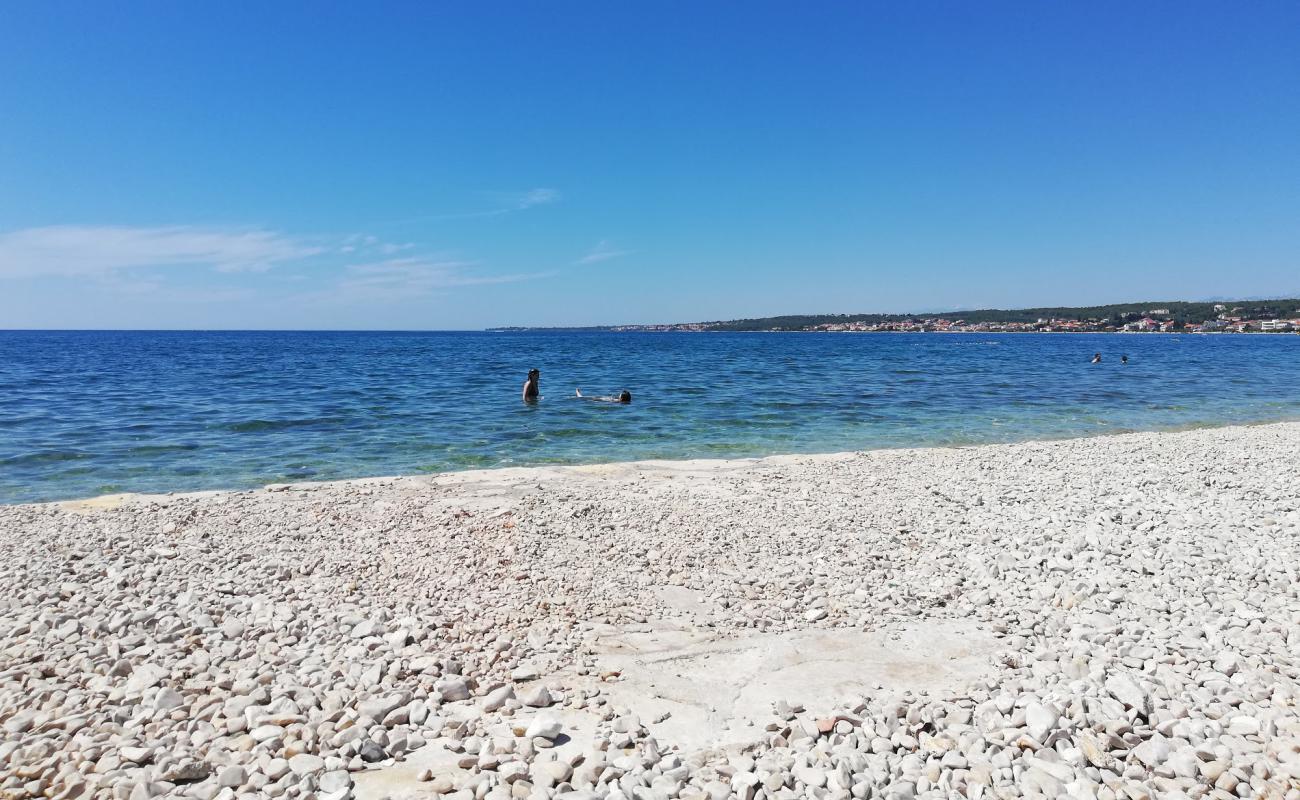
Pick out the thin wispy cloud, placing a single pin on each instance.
(80, 250)
(536, 197)
(603, 251)
(362, 244)
(508, 202)
(144, 264)
(408, 277)
(503, 203)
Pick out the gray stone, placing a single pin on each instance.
(1128, 692)
(1153, 752)
(381, 707)
(497, 698)
(232, 777)
(145, 676)
(536, 697)
(336, 781)
(452, 689)
(371, 752)
(306, 764)
(168, 699)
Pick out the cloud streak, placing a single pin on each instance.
(603, 251)
(146, 264)
(505, 202)
(536, 197)
(84, 250)
(402, 278)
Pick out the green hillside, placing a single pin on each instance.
(1116, 314)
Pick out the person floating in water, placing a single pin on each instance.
(1123, 359)
(1096, 358)
(532, 390)
(623, 397)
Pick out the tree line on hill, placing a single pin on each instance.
(1116, 314)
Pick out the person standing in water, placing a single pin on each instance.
(623, 397)
(532, 389)
(1096, 358)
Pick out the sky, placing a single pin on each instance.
(473, 164)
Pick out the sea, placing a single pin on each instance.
(84, 413)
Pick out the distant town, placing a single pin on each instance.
(1241, 316)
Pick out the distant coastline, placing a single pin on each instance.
(1229, 316)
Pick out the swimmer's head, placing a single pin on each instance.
(534, 373)
(625, 396)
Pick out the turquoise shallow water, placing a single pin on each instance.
(86, 413)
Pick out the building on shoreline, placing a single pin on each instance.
(1245, 316)
(1148, 323)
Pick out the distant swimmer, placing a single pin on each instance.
(623, 397)
(532, 391)
(1123, 359)
(1096, 358)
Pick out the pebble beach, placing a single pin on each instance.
(1109, 617)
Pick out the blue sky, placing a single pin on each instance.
(461, 165)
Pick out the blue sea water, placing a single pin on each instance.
(86, 413)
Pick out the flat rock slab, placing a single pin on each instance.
(719, 692)
(715, 691)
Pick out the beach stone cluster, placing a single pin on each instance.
(1143, 590)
